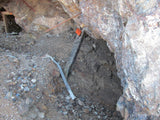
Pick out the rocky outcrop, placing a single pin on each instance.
(131, 29)
(38, 15)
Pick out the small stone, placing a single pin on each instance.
(98, 117)
(29, 101)
(33, 85)
(41, 115)
(33, 80)
(11, 75)
(12, 83)
(24, 80)
(65, 113)
(92, 106)
(17, 95)
(42, 107)
(94, 46)
(59, 105)
(22, 86)
(86, 110)
(13, 99)
(105, 117)
(14, 78)
(68, 98)
(26, 89)
(15, 60)
(38, 89)
(95, 113)
(80, 103)
(8, 95)
(67, 107)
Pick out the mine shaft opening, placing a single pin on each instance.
(94, 73)
(10, 25)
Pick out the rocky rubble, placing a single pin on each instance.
(81, 109)
(33, 85)
(25, 79)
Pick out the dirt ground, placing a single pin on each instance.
(31, 87)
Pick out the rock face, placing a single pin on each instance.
(131, 29)
(38, 15)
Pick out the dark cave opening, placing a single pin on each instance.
(10, 25)
(94, 73)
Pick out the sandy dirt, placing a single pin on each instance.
(31, 87)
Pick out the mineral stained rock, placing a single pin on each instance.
(132, 31)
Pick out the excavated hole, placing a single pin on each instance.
(1, 10)
(94, 73)
(11, 27)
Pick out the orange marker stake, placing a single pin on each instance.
(78, 31)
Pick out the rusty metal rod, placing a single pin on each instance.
(29, 6)
(62, 22)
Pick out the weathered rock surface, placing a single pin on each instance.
(38, 15)
(131, 29)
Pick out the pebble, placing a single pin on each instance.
(17, 95)
(98, 117)
(24, 80)
(105, 117)
(65, 113)
(38, 89)
(33, 80)
(12, 83)
(13, 99)
(68, 98)
(22, 86)
(80, 103)
(94, 46)
(86, 110)
(41, 115)
(8, 95)
(29, 101)
(15, 60)
(11, 75)
(26, 89)
(42, 107)
(92, 106)
(95, 113)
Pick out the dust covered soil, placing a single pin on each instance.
(31, 87)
